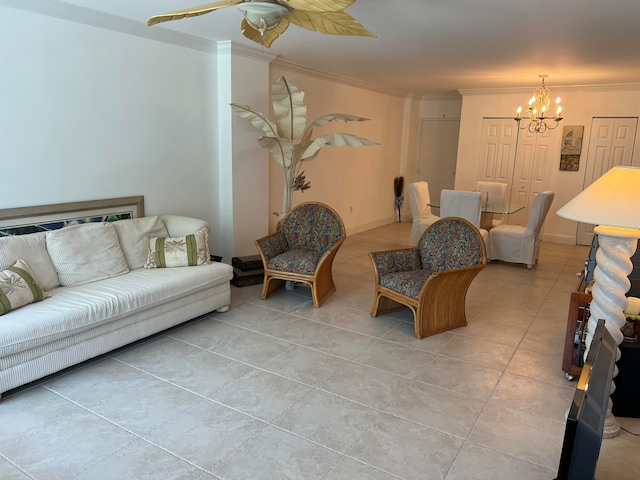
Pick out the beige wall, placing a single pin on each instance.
(580, 104)
(356, 182)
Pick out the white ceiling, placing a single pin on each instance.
(440, 46)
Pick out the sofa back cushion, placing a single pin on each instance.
(133, 236)
(32, 248)
(86, 253)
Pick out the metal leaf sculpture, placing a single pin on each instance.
(290, 125)
(266, 20)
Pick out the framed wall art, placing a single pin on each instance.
(571, 148)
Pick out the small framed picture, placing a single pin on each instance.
(571, 148)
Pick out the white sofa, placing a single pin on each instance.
(121, 302)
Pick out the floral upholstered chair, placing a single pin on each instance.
(302, 250)
(431, 278)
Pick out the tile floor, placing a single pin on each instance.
(279, 390)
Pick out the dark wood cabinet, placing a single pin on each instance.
(572, 359)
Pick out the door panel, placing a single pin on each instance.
(611, 144)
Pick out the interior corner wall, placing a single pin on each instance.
(89, 113)
(356, 182)
(580, 105)
(243, 164)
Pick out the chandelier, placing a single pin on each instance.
(540, 119)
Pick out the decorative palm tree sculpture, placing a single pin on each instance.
(291, 118)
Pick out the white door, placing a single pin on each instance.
(438, 153)
(497, 150)
(532, 171)
(611, 144)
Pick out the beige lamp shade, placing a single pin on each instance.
(612, 200)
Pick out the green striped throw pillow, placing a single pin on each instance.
(18, 287)
(187, 251)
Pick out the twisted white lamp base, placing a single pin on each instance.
(613, 266)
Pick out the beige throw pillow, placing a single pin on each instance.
(190, 250)
(86, 253)
(134, 238)
(18, 287)
(32, 248)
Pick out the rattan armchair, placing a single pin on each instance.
(433, 278)
(303, 250)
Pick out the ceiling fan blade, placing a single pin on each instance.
(332, 23)
(317, 5)
(192, 12)
(268, 37)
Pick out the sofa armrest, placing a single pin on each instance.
(394, 261)
(178, 225)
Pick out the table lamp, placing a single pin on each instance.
(613, 204)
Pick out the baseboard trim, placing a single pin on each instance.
(565, 239)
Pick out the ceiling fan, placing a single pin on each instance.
(266, 20)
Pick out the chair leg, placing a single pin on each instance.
(270, 285)
(321, 289)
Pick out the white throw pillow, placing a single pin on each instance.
(86, 253)
(32, 248)
(133, 235)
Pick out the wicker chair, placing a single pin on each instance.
(432, 278)
(302, 250)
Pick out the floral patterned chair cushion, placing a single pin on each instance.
(311, 227)
(300, 261)
(406, 283)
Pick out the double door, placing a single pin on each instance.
(519, 158)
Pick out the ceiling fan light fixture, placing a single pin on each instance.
(263, 16)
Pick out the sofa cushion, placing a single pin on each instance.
(18, 287)
(86, 253)
(185, 251)
(81, 308)
(133, 235)
(32, 248)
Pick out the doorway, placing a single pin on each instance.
(438, 152)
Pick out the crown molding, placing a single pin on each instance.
(89, 16)
(442, 96)
(95, 18)
(613, 87)
(314, 72)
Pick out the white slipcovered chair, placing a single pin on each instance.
(467, 205)
(495, 200)
(518, 244)
(420, 210)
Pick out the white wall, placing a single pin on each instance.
(580, 104)
(89, 113)
(356, 182)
